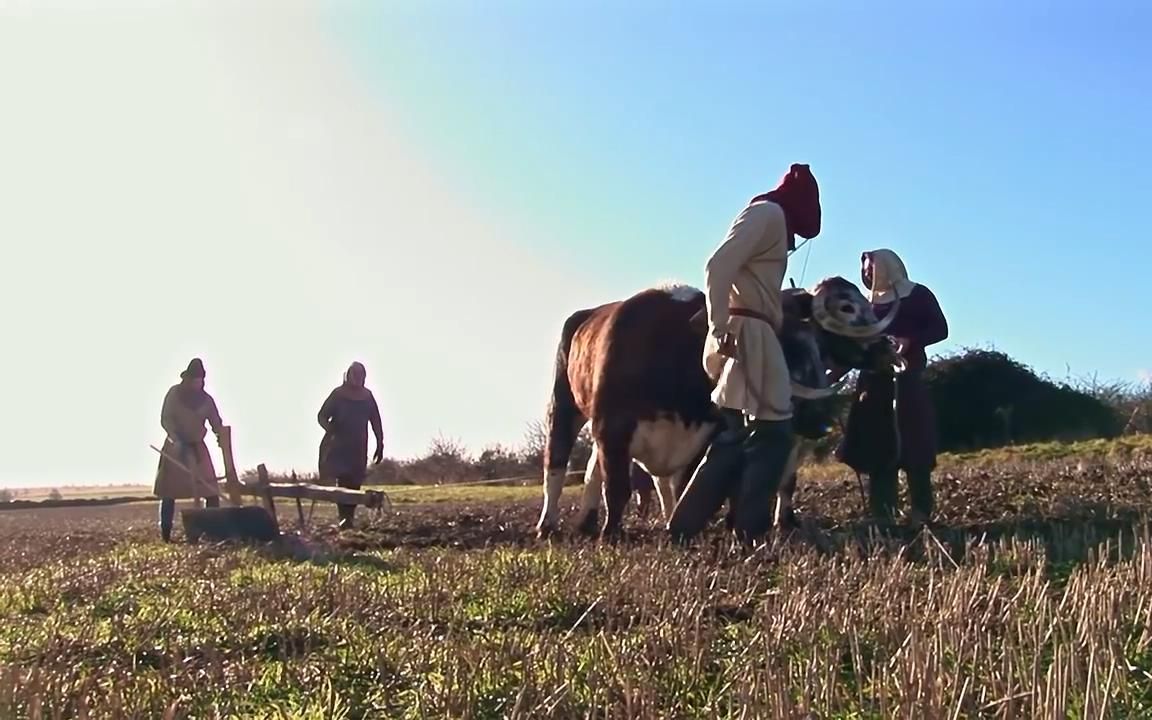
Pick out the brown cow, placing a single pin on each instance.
(633, 370)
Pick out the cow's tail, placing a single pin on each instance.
(563, 419)
(562, 424)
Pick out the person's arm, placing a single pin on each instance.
(214, 420)
(934, 326)
(169, 418)
(167, 413)
(752, 232)
(377, 428)
(327, 411)
(920, 324)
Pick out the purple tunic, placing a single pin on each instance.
(871, 443)
(344, 450)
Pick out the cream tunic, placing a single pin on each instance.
(747, 271)
(185, 442)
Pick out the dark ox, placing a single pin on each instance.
(633, 370)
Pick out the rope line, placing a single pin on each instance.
(475, 483)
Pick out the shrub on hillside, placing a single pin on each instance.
(985, 399)
(1132, 402)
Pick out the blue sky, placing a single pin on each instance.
(282, 188)
(1001, 148)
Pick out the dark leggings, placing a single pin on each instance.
(349, 482)
(883, 492)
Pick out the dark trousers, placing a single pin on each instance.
(346, 512)
(883, 492)
(744, 465)
(168, 514)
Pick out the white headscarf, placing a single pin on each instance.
(889, 277)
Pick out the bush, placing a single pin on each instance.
(986, 399)
(1132, 402)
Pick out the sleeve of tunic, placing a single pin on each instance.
(168, 419)
(755, 230)
(327, 411)
(374, 418)
(935, 325)
(926, 324)
(213, 414)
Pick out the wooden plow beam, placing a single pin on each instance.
(268, 491)
(240, 521)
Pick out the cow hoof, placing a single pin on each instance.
(787, 522)
(545, 531)
(612, 535)
(611, 538)
(589, 525)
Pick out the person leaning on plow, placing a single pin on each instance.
(186, 470)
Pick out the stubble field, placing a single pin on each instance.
(1033, 598)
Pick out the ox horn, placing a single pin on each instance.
(809, 393)
(835, 326)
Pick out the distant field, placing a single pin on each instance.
(397, 493)
(76, 492)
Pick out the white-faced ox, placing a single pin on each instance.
(633, 370)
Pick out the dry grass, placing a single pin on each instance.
(451, 609)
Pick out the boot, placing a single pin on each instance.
(346, 513)
(712, 483)
(766, 453)
(920, 496)
(882, 494)
(167, 515)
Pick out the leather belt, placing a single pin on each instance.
(745, 312)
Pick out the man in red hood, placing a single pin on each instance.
(743, 282)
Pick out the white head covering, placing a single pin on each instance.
(889, 277)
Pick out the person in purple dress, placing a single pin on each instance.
(879, 442)
(345, 416)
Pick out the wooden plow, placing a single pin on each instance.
(237, 521)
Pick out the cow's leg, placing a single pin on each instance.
(616, 464)
(562, 431)
(588, 521)
(666, 491)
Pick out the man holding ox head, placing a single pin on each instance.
(743, 283)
